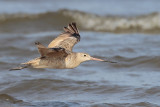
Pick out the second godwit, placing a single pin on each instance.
(58, 54)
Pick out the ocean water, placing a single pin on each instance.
(125, 31)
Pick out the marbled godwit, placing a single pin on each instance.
(59, 53)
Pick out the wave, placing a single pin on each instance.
(139, 104)
(149, 23)
(142, 62)
(8, 98)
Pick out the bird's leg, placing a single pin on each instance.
(19, 68)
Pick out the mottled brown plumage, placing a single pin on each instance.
(59, 53)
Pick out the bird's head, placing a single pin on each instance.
(86, 57)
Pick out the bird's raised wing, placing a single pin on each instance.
(51, 52)
(67, 39)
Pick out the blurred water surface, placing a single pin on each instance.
(124, 31)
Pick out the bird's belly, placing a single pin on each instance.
(51, 64)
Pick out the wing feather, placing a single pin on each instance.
(51, 52)
(76, 29)
(67, 39)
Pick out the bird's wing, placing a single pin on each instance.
(67, 39)
(51, 52)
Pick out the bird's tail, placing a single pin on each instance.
(19, 68)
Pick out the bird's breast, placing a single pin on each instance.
(71, 62)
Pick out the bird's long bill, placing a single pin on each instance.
(96, 59)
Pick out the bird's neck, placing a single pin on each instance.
(72, 60)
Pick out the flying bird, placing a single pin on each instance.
(59, 54)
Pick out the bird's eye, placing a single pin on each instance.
(85, 55)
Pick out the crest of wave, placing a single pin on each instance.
(140, 23)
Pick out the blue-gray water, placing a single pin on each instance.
(124, 31)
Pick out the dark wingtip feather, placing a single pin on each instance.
(72, 28)
(66, 29)
(75, 27)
